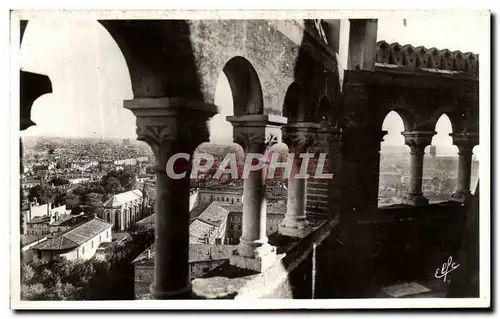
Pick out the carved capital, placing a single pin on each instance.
(170, 125)
(300, 136)
(418, 140)
(158, 137)
(255, 133)
(255, 140)
(465, 142)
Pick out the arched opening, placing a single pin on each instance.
(394, 162)
(84, 112)
(293, 103)
(439, 178)
(245, 86)
(117, 220)
(237, 92)
(324, 109)
(89, 76)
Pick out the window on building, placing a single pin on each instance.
(92, 244)
(83, 250)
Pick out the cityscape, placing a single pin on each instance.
(76, 191)
(390, 131)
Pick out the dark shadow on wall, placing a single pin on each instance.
(159, 56)
(465, 283)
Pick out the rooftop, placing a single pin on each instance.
(28, 239)
(214, 214)
(197, 253)
(119, 200)
(199, 230)
(69, 220)
(76, 236)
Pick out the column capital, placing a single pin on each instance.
(256, 132)
(163, 122)
(299, 136)
(465, 141)
(329, 134)
(418, 140)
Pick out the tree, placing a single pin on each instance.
(43, 193)
(72, 200)
(126, 181)
(93, 201)
(92, 279)
(113, 186)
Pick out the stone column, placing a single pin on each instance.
(298, 137)
(465, 143)
(170, 126)
(417, 141)
(255, 133)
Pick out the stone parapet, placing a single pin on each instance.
(411, 57)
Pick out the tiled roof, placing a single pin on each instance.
(147, 222)
(214, 214)
(39, 219)
(119, 200)
(197, 253)
(197, 210)
(70, 220)
(28, 239)
(199, 230)
(76, 236)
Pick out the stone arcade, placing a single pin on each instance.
(316, 85)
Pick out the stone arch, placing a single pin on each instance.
(159, 56)
(391, 189)
(107, 216)
(129, 217)
(112, 49)
(293, 103)
(442, 136)
(117, 219)
(406, 116)
(324, 110)
(451, 115)
(245, 86)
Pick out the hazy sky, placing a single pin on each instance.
(90, 79)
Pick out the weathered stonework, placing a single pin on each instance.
(407, 56)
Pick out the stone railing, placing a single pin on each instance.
(410, 57)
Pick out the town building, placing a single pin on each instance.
(202, 259)
(37, 218)
(210, 226)
(124, 209)
(80, 242)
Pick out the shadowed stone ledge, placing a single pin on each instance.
(230, 282)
